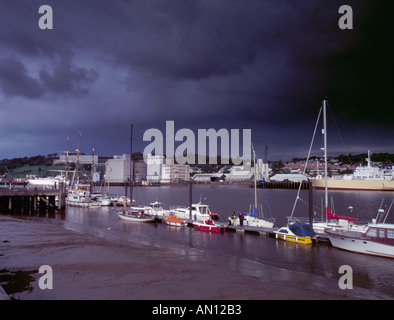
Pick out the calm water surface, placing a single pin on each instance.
(257, 255)
(249, 253)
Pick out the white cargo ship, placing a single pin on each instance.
(366, 177)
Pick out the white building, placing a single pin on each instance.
(117, 170)
(73, 158)
(240, 173)
(263, 170)
(289, 177)
(153, 172)
(174, 173)
(160, 171)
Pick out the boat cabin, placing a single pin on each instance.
(201, 208)
(382, 233)
(302, 229)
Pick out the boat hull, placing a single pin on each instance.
(174, 221)
(360, 245)
(366, 185)
(83, 204)
(254, 222)
(207, 227)
(291, 238)
(135, 218)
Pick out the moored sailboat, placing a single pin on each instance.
(253, 218)
(135, 216)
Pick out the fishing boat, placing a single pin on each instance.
(210, 224)
(135, 216)
(174, 221)
(81, 198)
(377, 240)
(297, 231)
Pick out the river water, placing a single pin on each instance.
(249, 253)
(281, 263)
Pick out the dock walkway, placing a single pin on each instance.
(31, 200)
(250, 229)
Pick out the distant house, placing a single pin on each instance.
(202, 177)
(240, 173)
(174, 173)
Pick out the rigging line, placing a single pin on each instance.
(339, 133)
(266, 197)
(306, 162)
(316, 208)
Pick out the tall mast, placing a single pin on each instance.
(66, 170)
(79, 135)
(255, 181)
(131, 165)
(325, 154)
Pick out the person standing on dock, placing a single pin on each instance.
(241, 219)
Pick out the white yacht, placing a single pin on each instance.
(199, 212)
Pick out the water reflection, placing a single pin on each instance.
(246, 253)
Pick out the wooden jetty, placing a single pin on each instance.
(283, 185)
(32, 200)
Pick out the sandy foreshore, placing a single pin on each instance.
(89, 267)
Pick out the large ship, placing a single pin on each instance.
(367, 177)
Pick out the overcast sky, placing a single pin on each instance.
(233, 64)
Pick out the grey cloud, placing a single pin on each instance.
(15, 80)
(68, 78)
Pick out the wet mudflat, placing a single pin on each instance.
(89, 266)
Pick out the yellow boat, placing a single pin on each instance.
(298, 232)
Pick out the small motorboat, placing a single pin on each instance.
(174, 221)
(210, 224)
(296, 231)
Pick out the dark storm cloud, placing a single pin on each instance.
(256, 64)
(15, 81)
(66, 77)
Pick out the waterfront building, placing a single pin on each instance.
(280, 177)
(117, 170)
(154, 164)
(262, 169)
(140, 171)
(241, 173)
(174, 173)
(81, 158)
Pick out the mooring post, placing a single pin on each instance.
(62, 196)
(190, 200)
